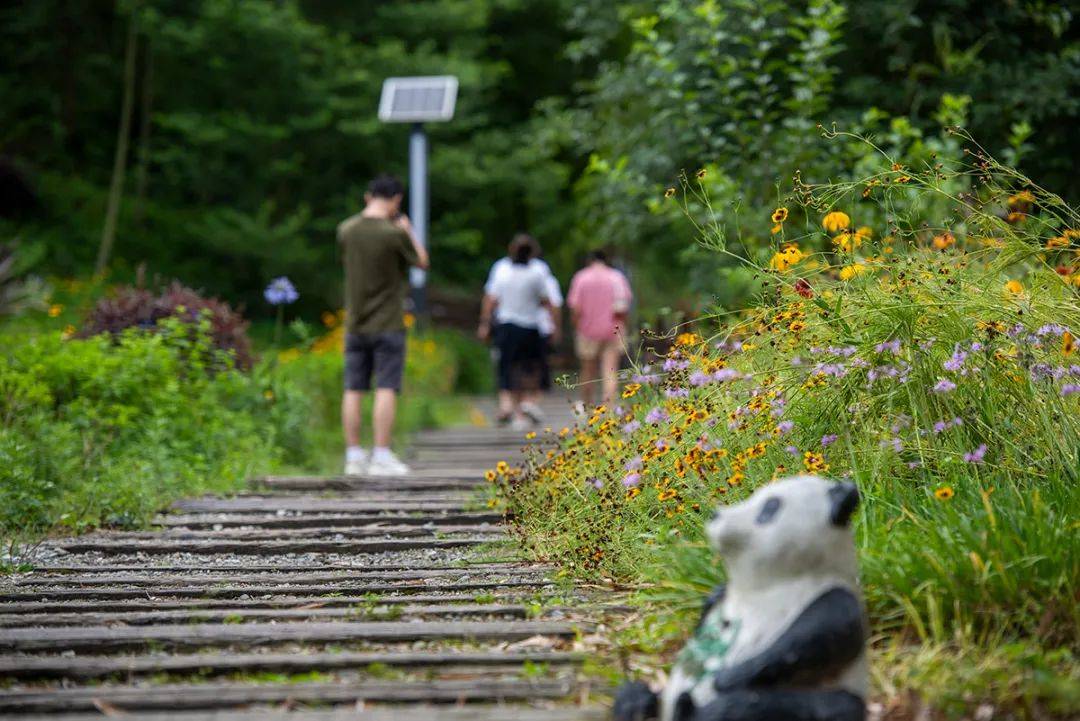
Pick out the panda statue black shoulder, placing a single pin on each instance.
(784, 639)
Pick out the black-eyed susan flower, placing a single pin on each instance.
(815, 462)
(1068, 343)
(669, 193)
(779, 215)
(700, 175)
(944, 493)
(502, 467)
(630, 390)
(836, 220)
(667, 494)
(489, 475)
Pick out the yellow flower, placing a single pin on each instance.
(836, 220)
(489, 475)
(815, 462)
(786, 257)
(1014, 287)
(685, 339)
(68, 332)
(632, 493)
(944, 240)
(735, 478)
(530, 435)
(779, 215)
(669, 193)
(1024, 197)
(1059, 242)
(864, 232)
(944, 493)
(796, 325)
(701, 174)
(409, 320)
(667, 494)
(850, 271)
(630, 390)
(502, 467)
(1068, 343)
(776, 229)
(847, 242)
(55, 310)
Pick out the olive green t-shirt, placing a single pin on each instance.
(377, 256)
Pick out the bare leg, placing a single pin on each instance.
(609, 369)
(506, 403)
(350, 417)
(383, 416)
(589, 368)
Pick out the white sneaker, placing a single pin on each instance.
(357, 466)
(387, 465)
(520, 423)
(533, 412)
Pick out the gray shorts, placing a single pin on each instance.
(378, 354)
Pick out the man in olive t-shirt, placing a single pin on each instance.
(378, 247)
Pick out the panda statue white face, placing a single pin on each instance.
(788, 528)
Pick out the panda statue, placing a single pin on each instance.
(784, 639)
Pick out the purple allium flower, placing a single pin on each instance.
(675, 364)
(784, 427)
(726, 374)
(1050, 329)
(280, 292)
(635, 464)
(1070, 389)
(828, 440)
(793, 450)
(656, 415)
(631, 427)
(631, 479)
(676, 392)
(976, 456)
(892, 346)
(944, 386)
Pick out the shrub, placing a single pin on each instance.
(930, 358)
(130, 307)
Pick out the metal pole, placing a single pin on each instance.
(418, 206)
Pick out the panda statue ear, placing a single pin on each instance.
(843, 498)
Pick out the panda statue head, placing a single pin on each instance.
(794, 527)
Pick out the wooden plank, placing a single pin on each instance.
(106, 638)
(99, 666)
(307, 504)
(344, 483)
(227, 695)
(403, 595)
(374, 530)
(206, 592)
(472, 712)
(357, 612)
(266, 548)
(443, 518)
(239, 576)
(509, 566)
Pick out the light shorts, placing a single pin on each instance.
(592, 348)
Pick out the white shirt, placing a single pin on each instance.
(543, 321)
(519, 290)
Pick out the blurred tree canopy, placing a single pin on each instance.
(253, 128)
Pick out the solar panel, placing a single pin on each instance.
(414, 100)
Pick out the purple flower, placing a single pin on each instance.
(656, 415)
(1069, 389)
(940, 426)
(890, 345)
(595, 483)
(699, 378)
(956, 362)
(896, 443)
(793, 450)
(662, 445)
(631, 480)
(976, 456)
(280, 292)
(944, 386)
(726, 374)
(675, 364)
(828, 440)
(676, 392)
(635, 464)
(631, 427)
(784, 427)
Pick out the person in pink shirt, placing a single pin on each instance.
(599, 299)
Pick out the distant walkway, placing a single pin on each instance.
(381, 596)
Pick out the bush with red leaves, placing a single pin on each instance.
(129, 307)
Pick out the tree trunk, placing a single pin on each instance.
(123, 139)
(146, 100)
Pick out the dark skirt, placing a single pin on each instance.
(521, 357)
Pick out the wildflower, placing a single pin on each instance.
(793, 450)
(55, 309)
(685, 339)
(847, 242)
(635, 464)
(944, 385)
(735, 478)
(1068, 343)
(889, 345)
(784, 427)
(502, 467)
(676, 392)
(944, 240)
(815, 462)
(630, 390)
(956, 361)
(779, 215)
(944, 493)
(828, 439)
(976, 456)
(700, 175)
(530, 435)
(280, 292)
(68, 332)
(699, 378)
(802, 287)
(796, 325)
(1014, 218)
(1070, 389)
(864, 232)
(669, 193)
(633, 493)
(656, 415)
(836, 220)
(1014, 287)
(1059, 242)
(631, 427)
(1022, 199)
(850, 271)
(667, 494)
(631, 480)
(489, 475)
(786, 257)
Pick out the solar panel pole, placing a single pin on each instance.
(418, 206)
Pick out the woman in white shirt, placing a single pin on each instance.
(515, 298)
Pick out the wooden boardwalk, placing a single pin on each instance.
(308, 598)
